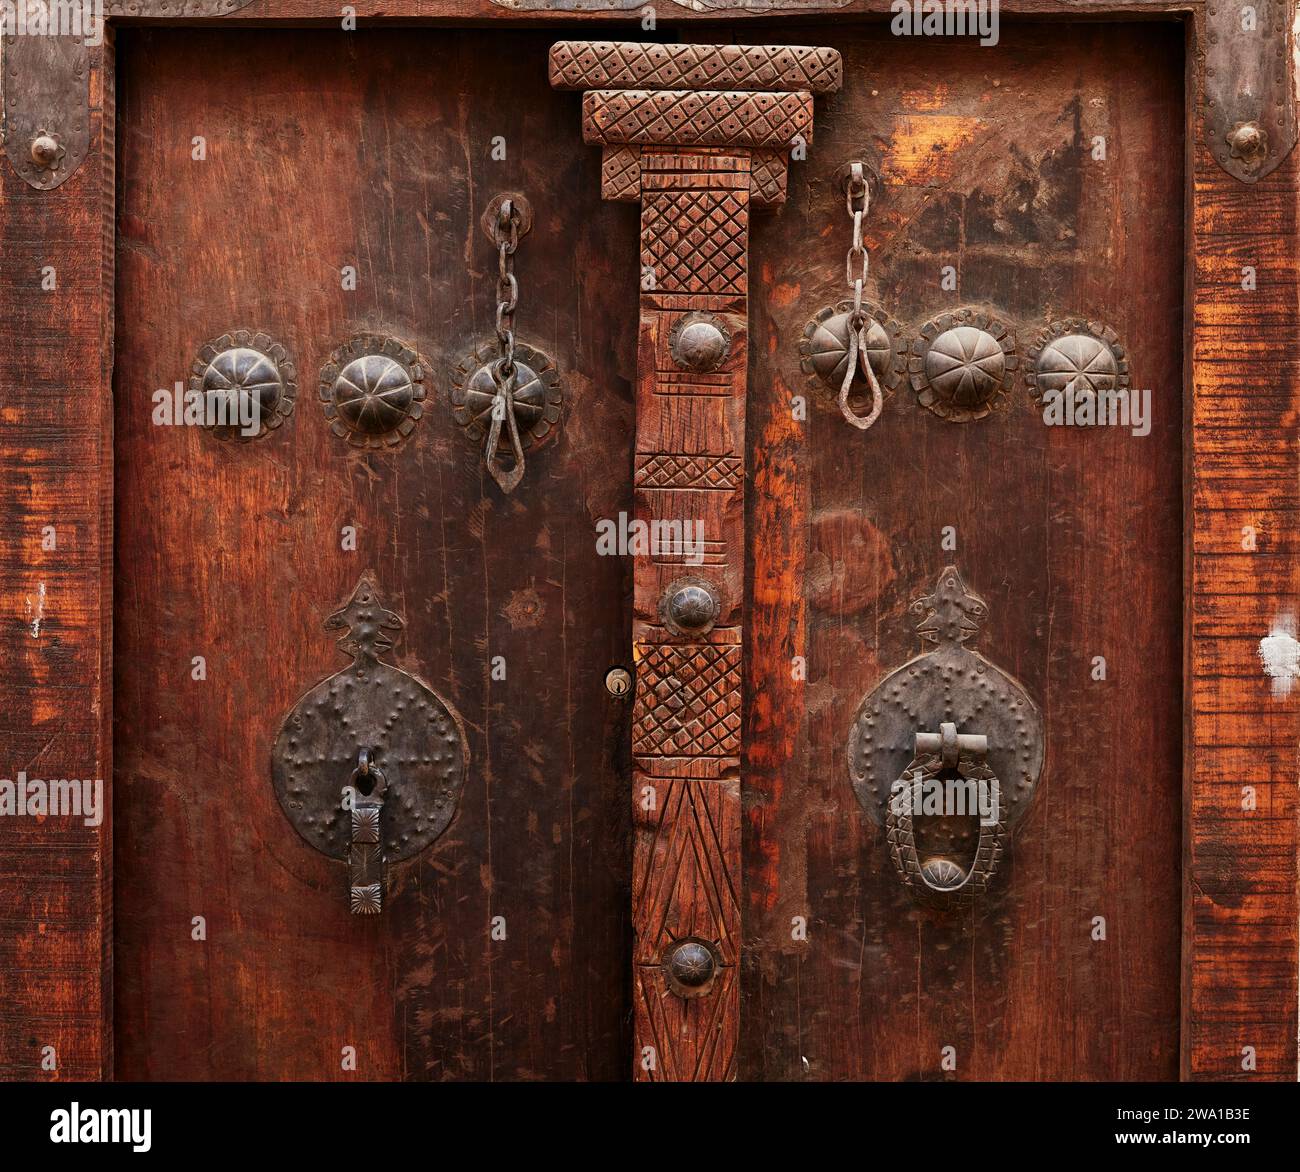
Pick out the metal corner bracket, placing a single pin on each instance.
(45, 78)
(1250, 115)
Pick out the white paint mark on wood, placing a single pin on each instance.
(36, 611)
(1279, 652)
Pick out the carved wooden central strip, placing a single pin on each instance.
(695, 158)
(690, 445)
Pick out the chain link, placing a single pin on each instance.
(506, 234)
(857, 199)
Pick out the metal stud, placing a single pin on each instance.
(824, 350)
(962, 364)
(372, 390)
(247, 382)
(699, 342)
(690, 606)
(1076, 355)
(690, 966)
(538, 395)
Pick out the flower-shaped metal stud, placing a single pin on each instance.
(247, 382)
(824, 350)
(1077, 357)
(961, 364)
(372, 390)
(537, 396)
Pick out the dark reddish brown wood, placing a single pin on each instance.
(232, 551)
(56, 926)
(1073, 537)
(1240, 864)
(1240, 915)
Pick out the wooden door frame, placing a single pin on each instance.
(1240, 987)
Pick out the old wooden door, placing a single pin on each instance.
(1032, 190)
(318, 191)
(320, 188)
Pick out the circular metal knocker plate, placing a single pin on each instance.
(247, 382)
(417, 742)
(538, 396)
(962, 364)
(824, 351)
(1076, 356)
(372, 390)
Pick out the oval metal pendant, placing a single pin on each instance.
(406, 729)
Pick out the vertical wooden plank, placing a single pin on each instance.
(1240, 867)
(56, 442)
(697, 148)
(690, 448)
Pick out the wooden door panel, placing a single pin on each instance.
(1072, 535)
(371, 150)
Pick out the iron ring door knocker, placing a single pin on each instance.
(508, 394)
(945, 753)
(854, 337)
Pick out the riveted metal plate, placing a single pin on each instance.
(46, 97)
(415, 736)
(46, 77)
(1250, 115)
(951, 683)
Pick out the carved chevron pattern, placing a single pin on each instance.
(692, 1040)
(591, 65)
(696, 117)
(671, 471)
(683, 884)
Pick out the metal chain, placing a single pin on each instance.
(504, 372)
(506, 234)
(857, 198)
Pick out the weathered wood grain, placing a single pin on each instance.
(1240, 936)
(233, 551)
(1073, 537)
(56, 435)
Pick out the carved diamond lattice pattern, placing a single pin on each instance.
(584, 65)
(688, 702)
(703, 118)
(696, 241)
(672, 471)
